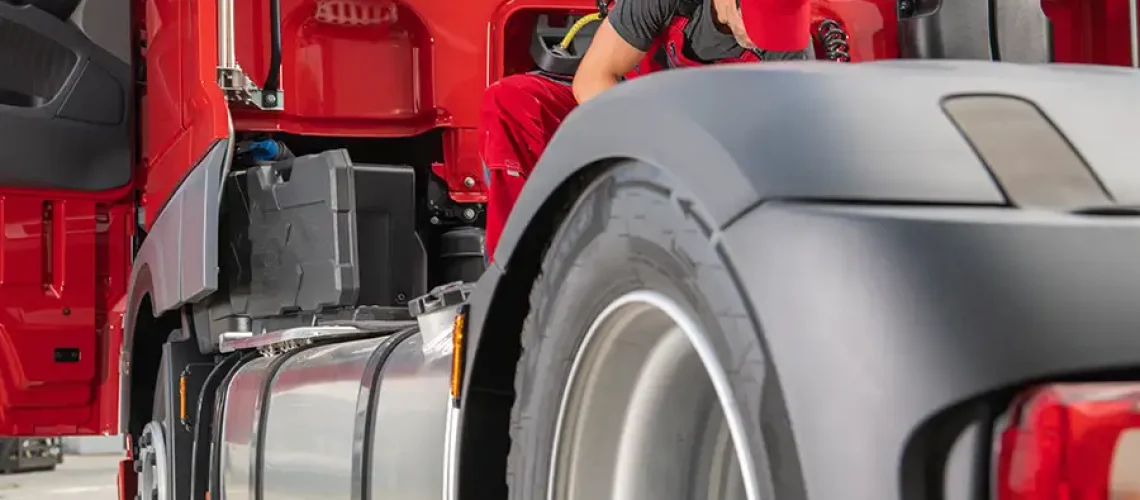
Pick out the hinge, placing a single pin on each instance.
(239, 89)
(235, 84)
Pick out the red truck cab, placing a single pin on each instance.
(127, 224)
(409, 74)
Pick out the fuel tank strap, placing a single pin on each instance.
(1030, 159)
(365, 418)
(206, 459)
(258, 465)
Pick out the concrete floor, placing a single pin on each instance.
(78, 478)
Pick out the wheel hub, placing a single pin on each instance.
(152, 464)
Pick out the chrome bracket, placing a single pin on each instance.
(277, 342)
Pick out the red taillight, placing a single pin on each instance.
(1072, 442)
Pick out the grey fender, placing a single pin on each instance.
(178, 261)
(898, 332)
(817, 130)
(736, 137)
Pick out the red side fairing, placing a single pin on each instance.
(184, 111)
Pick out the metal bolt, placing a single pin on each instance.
(469, 182)
(401, 297)
(469, 213)
(270, 99)
(434, 220)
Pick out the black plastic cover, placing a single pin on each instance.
(549, 56)
(441, 297)
(64, 105)
(461, 256)
(325, 233)
(302, 234)
(393, 262)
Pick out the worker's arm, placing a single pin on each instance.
(605, 63)
(620, 43)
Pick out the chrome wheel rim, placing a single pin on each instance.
(151, 463)
(648, 412)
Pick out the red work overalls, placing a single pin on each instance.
(520, 113)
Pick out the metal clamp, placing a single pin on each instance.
(276, 342)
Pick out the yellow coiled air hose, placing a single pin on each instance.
(582, 23)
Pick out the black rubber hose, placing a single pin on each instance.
(273, 80)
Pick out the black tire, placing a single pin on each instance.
(628, 232)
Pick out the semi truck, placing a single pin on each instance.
(246, 236)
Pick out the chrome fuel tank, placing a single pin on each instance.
(351, 420)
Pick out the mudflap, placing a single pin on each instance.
(127, 480)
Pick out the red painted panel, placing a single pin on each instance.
(1095, 32)
(164, 74)
(198, 117)
(63, 262)
(872, 26)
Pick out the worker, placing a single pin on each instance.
(520, 113)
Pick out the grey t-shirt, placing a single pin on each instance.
(639, 22)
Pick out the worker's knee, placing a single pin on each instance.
(504, 93)
(510, 93)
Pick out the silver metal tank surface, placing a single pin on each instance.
(240, 417)
(342, 420)
(310, 429)
(408, 438)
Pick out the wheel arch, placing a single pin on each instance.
(732, 137)
(176, 264)
(737, 137)
(141, 352)
(595, 138)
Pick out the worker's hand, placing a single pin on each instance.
(607, 60)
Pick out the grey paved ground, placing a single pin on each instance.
(79, 478)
